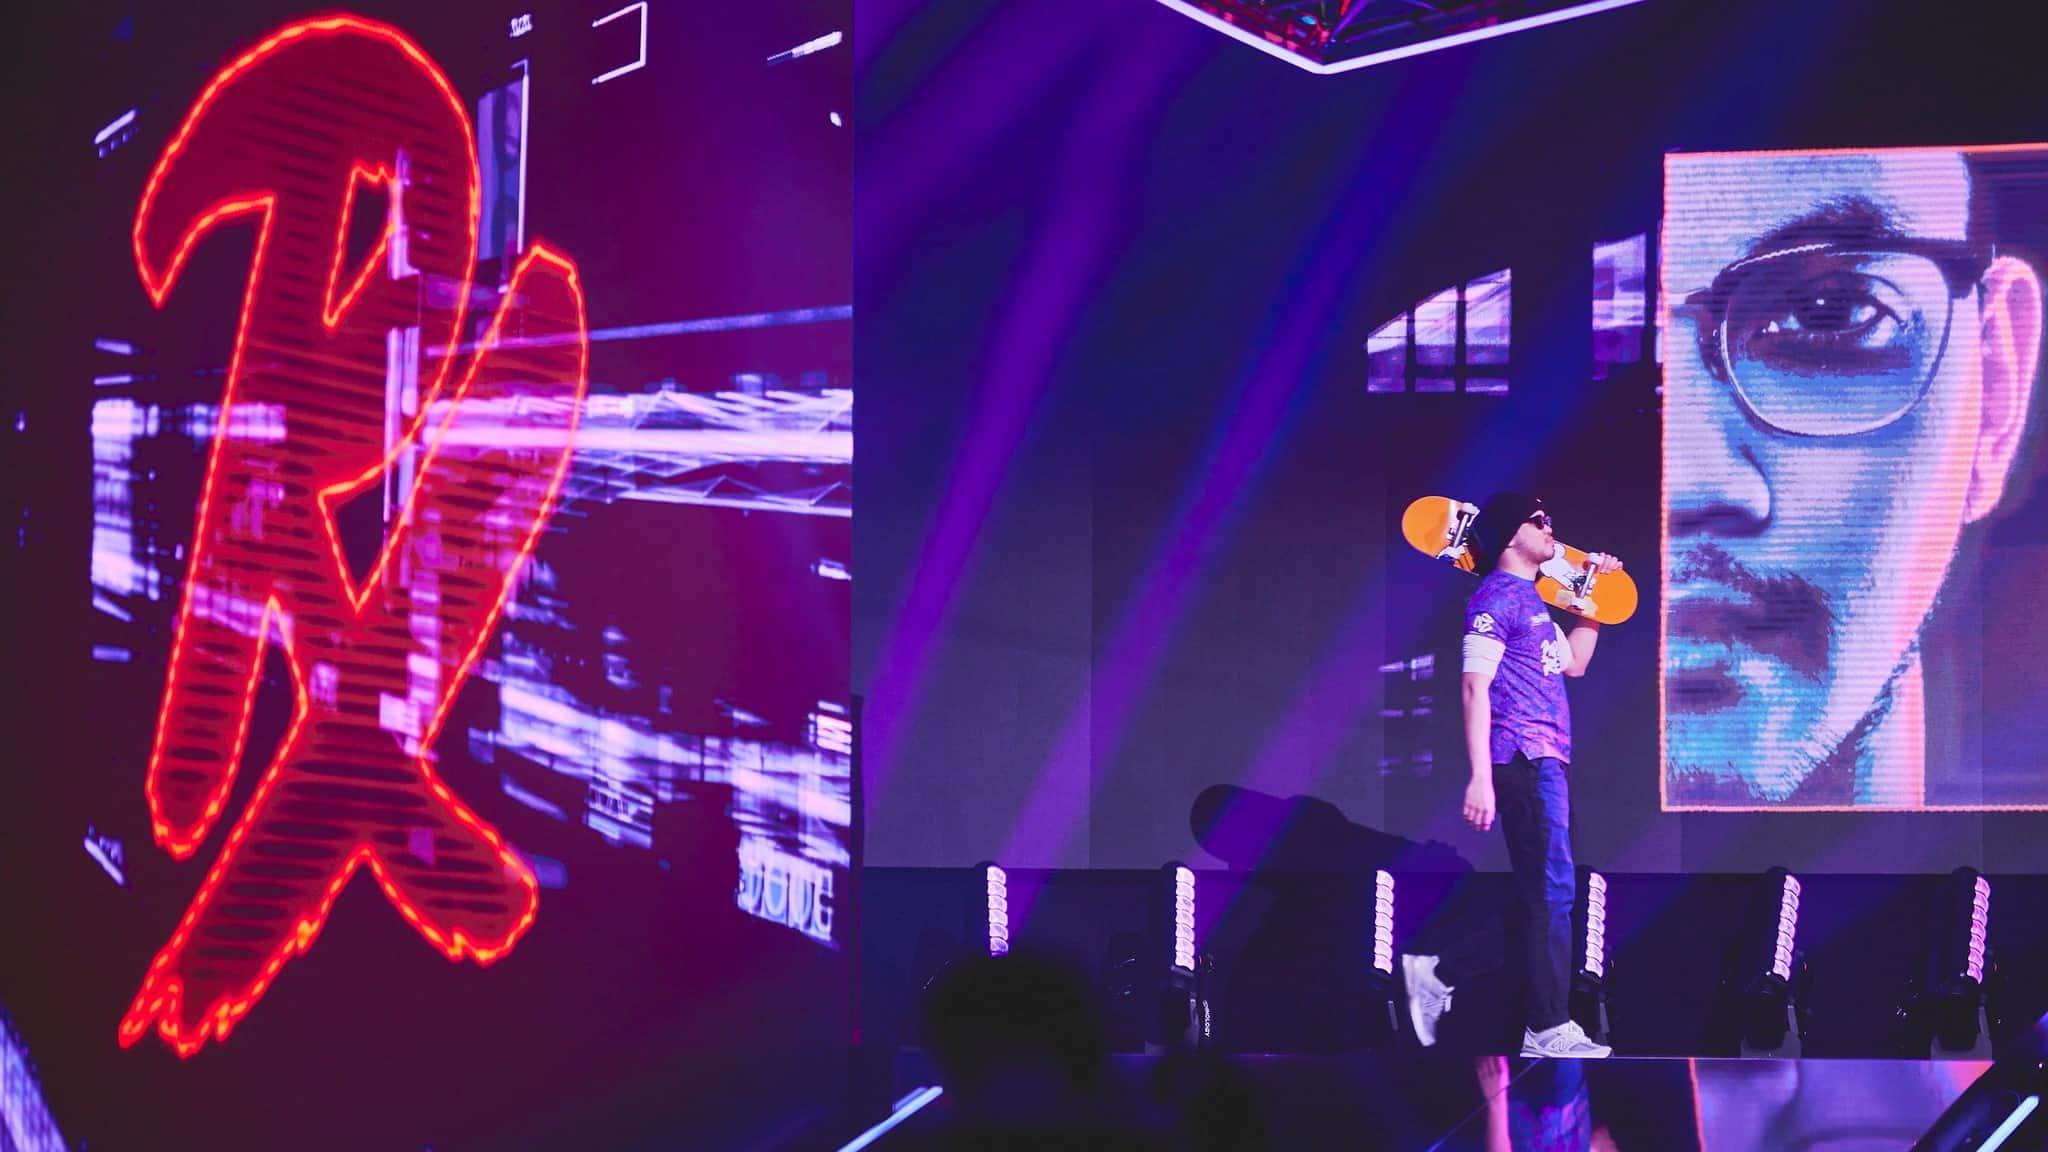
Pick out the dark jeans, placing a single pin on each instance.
(1536, 814)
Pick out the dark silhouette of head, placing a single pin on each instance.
(1019, 1040)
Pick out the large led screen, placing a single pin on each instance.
(430, 569)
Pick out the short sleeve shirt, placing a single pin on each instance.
(1530, 712)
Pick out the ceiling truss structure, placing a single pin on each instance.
(1330, 36)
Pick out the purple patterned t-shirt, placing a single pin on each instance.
(1530, 712)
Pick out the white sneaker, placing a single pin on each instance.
(1428, 997)
(1566, 1041)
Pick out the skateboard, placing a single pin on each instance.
(1438, 526)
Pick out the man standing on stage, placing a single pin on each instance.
(1518, 735)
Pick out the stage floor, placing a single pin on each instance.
(1427, 1099)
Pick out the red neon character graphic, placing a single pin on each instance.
(289, 139)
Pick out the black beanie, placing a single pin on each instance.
(1500, 518)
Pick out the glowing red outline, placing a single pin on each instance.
(219, 1019)
(181, 845)
(331, 311)
(161, 997)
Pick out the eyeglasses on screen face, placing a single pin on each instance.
(1834, 339)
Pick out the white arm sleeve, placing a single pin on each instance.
(1483, 653)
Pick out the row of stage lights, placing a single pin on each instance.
(1944, 1010)
(1943, 1013)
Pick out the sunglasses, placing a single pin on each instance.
(1540, 519)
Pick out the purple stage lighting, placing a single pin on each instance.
(1383, 922)
(1183, 917)
(997, 908)
(1788, 928)
(1596, 926)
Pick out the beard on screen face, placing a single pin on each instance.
(1747, 674)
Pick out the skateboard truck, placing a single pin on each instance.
(1462, 516)
(1575, 583)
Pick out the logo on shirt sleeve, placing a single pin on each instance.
(1483, 623)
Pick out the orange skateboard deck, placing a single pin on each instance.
(1437, 526)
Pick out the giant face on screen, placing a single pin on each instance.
(1850, 357)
